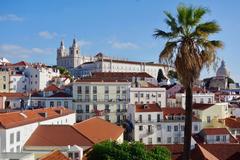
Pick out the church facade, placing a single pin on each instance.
(80, 65)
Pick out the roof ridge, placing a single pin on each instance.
(82, 134)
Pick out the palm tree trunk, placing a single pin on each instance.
(188, 124)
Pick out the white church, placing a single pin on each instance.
(80, 65)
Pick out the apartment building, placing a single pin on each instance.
(156, 125)
(17, 127)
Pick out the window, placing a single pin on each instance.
(107, 118)
(175, 128)
(86, 89)
(4, 86)
(18, 149)
(107, 108)
(159, 139)
(70, 155)
(159, 127)
(106, 89)
(142, 95)
(51, 103)
(147, 96)
(18, 136)
(182, 128)
(140, 118)
(87, 99)
(159, 95)
(175, 139)
(149, 117)
(95, 98)
(217, 138)
(79, 90)
(66, 104)
(118, 89)
(76, 155)
(196, 128)
(158, 117)
(94, 89)
(36, 75)
(169, 128)
(224, 138)
(208, 119)
(149, 140)
(4, 78)
(136, 95)
(106, 98)
(11, 138)
(209, 100)
(140, 128)
(201, 101)
(169, 139)
(87, 108)
(59, 103)
(140, 140)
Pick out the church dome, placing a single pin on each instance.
(222, 71)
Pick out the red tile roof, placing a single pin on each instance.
(97, 129)
(21, 63)
(215, 131)
(54, 155)
(57, 135)
(232, 122)
(223, 151)
(13, 95)
(113, 76)
(18, 118)
(200, 106)
(52, 88)
(154, 107)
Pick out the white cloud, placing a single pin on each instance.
(17, 51)
(10, 17)
(84, 43)
(123, 45)
(47, 35)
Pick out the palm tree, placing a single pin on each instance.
(188, 49)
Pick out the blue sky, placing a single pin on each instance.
(31, 30)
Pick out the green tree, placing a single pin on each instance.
(172, 74)
(63, 71)
(189, 49)
(160, 76)
(111, 150)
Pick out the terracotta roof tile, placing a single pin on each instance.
(18, 118)
(52, 88)
(54, 155)
(232, 122)
(154, 107)
(223, 151)
(215, 131)
(200, 106)
(113, 76)
(13, 95)
(57, 135)
(97, 129)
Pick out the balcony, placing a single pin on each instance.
(79, 111)
(102, 100)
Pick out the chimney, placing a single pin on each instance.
(60, 111)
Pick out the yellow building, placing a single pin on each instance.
(4, 81)
(210, 114)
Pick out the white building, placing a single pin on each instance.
(203, 98)
(107, 99)
(18, 83)
(80, 65)
(148, 93)
(156, 125)
(39, 76)
(17, 127)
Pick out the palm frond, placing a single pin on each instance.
(207, 28)
(198, 13)
(171, 21)
(168, 51)
(162, 34)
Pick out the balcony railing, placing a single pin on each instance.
(102, 100)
